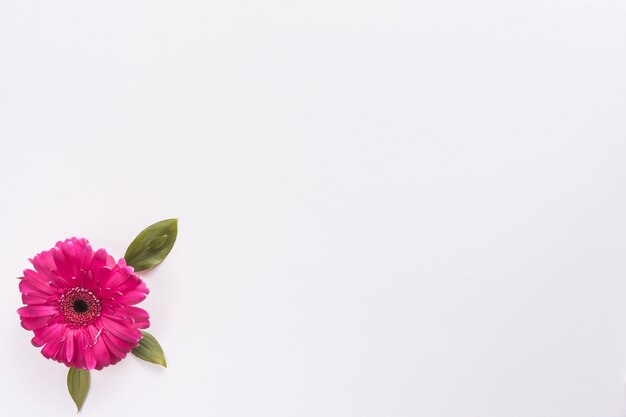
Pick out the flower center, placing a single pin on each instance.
(80, 306)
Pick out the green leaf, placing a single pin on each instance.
(152, 245)
(150, 350)
(78, 385)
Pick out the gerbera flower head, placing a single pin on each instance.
(80, 305)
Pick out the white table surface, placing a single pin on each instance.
(387, 208)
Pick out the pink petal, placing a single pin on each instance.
(122, 331)
(62, 265)
(100, 351)
(116, 278)
(90, 357)
(37, 311)
(33, 282)
(53, 343)
(69, 345)
(44, 263)
(72, 255)
(86, 257)
(102, 276)
(89, 280)
(111, 261)
(46, 334)
(99, 260)
(140, 316)
(131, 283)
(60, 281)
(116, 347)
(132, 297)
(34, 323)
(133, 315)
(36, 276)
(80, 278)
(35, 298)
(79, 350)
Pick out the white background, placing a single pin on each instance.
(387, 208)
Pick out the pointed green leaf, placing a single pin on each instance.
(158, 242)
(152, 245)
(78, 381)
(150, 350)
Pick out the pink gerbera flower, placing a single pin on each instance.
(80, 305)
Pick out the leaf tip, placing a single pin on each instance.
(173, 220)
(150, 350)
(152, 245)
(78, 381)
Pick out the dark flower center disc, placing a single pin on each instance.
(80, 306)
